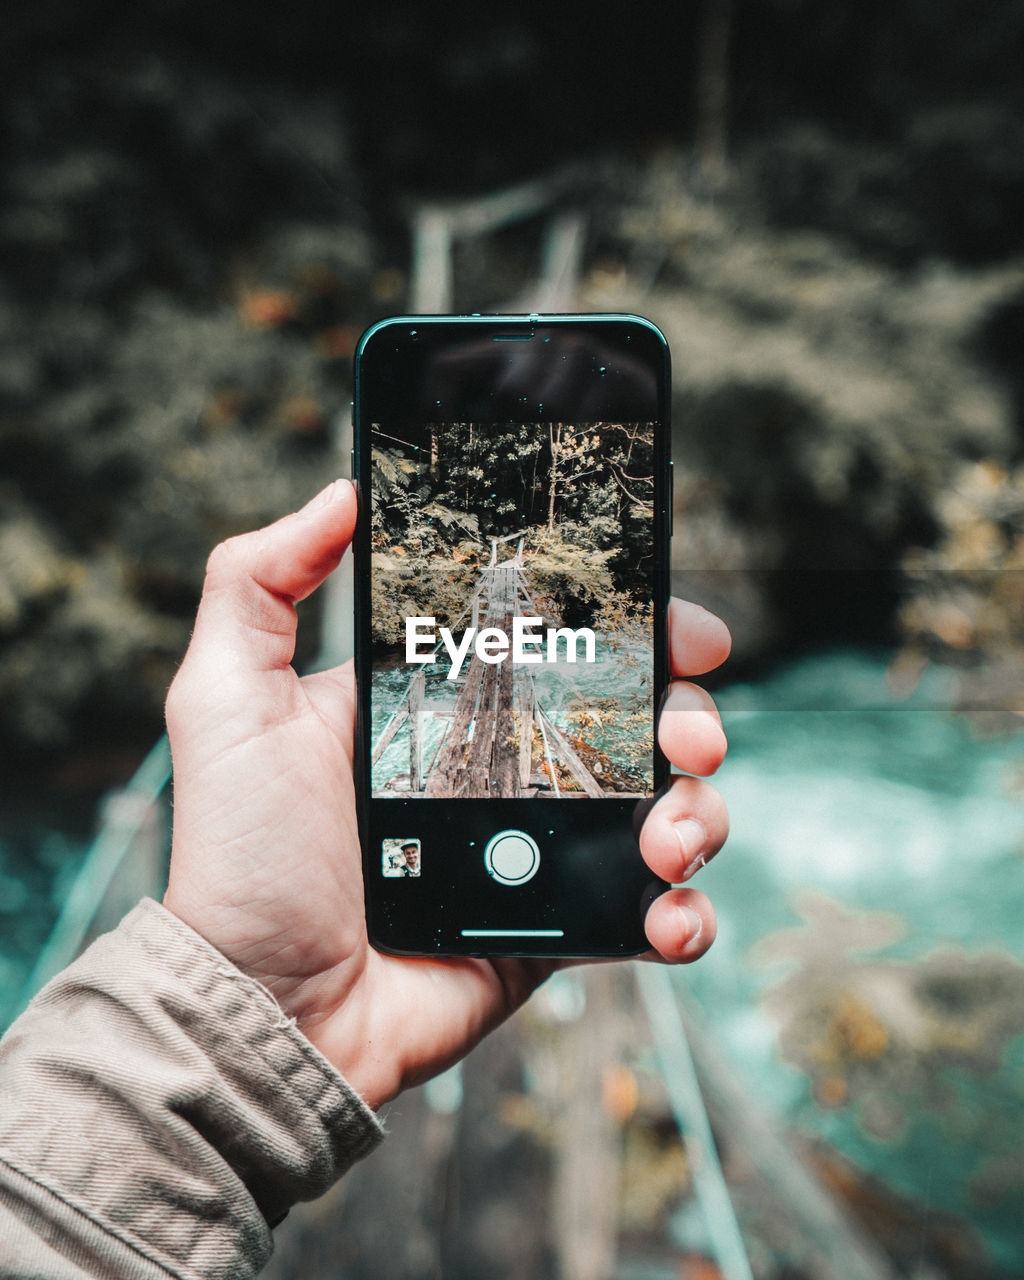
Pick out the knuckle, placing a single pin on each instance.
(182, 688)
(175, 704)
(226, 558)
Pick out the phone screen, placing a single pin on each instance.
(510, 655)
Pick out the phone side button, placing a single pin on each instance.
(512, 857)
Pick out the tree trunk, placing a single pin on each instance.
(713, 90)
(555, 433)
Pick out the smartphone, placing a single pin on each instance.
(511, 570)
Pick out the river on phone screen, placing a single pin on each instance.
(604, 707)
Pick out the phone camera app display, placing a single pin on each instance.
(512, 588)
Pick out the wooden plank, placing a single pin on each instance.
(476, 774)
(487, 763)
(394, 724)
(448, 762)
(488, 769)
(525, 730)
(569, 757)
(504, 770)
(505, 764)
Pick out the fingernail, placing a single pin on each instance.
(322, 499)
(692, 838)
(692, 924)
(696, 865)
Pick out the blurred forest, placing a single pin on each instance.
(821, 204)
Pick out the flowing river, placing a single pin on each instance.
(868, 976)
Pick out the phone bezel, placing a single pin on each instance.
(618, 928)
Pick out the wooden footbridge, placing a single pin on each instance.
(483, 752)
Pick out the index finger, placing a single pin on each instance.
(698, 640)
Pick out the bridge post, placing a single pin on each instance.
(416, 687)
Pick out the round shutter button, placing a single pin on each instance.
(512, 857)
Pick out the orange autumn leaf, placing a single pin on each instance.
(269, 308)
(338, 343)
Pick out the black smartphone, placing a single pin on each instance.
(511, 592)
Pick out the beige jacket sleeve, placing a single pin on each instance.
(157, 1111)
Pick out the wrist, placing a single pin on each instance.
(364, 1056)
(323, 1008)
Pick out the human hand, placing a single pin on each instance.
(265, 858)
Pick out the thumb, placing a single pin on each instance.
(247, 611)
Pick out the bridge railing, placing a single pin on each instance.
(126, 861)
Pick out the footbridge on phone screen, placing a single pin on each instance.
(498, 726)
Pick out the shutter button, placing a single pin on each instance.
(512, 857)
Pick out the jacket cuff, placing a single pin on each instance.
(161, 1091)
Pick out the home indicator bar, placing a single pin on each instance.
(513, 933)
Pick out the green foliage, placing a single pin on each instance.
(406, 510)
(571, 579)
(580, 494)
(417, 586)
(626, 626)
